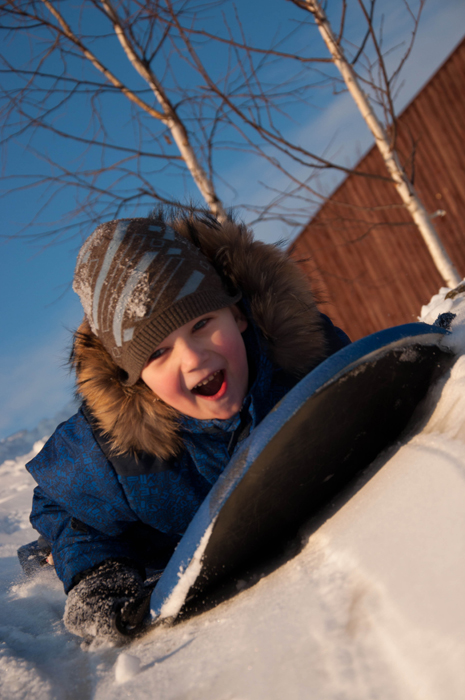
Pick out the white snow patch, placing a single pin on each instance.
(138, 303)
(19, 679)
(437, 305)
(408, 355)
(187, 578)
(126, 667)
(455, 305)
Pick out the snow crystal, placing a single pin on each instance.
(409, 355)
(137, 304)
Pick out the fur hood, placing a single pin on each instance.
(282, 307)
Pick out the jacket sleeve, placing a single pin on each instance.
(79, 505)
(75, 545)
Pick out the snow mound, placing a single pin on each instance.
(372, 607)
(126, 667)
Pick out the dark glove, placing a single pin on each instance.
(110, 601)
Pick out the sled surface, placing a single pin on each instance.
(331, 426)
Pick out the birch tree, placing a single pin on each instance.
(384, 142)
(188, 93)
(61, 39)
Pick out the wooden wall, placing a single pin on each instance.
(364, 258)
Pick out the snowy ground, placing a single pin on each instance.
(372, 607)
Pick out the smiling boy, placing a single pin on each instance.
(193, 332)
(201, 368)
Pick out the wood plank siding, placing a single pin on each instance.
(364, 257)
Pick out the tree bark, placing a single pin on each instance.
(404, 187)
(168, 114)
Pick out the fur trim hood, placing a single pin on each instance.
(282, 306)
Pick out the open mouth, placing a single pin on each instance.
(211, 385)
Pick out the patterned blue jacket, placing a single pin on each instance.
(92, 506)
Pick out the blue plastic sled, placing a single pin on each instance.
(328, 428)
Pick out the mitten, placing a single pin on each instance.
(109, 601)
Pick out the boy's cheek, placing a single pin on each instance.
(149, 376)
(167, 389)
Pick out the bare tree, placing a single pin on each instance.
(385, 142)
(44, 93)
(189, 93)
(180, 111)
(156, 63)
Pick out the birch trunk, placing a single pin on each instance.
(404, 187)
(172, 121)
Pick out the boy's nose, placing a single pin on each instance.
(193, 356)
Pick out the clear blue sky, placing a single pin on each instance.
(39, 308)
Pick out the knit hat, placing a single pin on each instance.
(138, 281)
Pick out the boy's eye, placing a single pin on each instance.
(200, 324)
(155, 355)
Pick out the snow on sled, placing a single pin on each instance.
(331, 426)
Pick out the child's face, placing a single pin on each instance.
(208, 349)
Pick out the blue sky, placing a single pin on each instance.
(38, 307)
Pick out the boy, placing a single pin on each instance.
(193, 331)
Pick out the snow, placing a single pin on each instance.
(175, 601)
(23, 441)
(126, 667)
(371, 607)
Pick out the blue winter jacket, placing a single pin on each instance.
(92, 506)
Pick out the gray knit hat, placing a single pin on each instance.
(139, 280)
